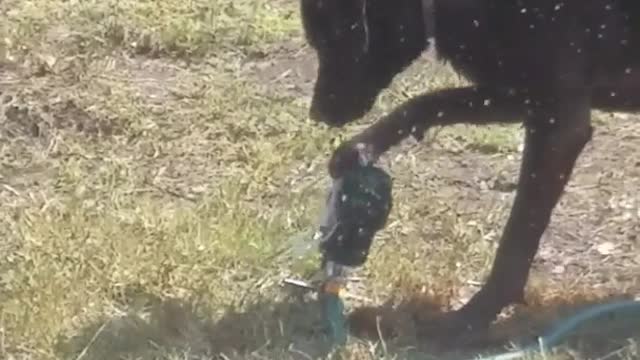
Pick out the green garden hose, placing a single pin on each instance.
(626, 310)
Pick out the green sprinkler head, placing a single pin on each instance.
(359, 205)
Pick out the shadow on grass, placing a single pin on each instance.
(610, 338)
(153, 328)
(148, 327)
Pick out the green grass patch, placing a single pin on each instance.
(177, 28)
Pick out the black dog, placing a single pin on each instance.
(545, 63)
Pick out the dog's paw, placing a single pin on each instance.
(349, 155)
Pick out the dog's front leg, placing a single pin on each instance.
(470, 105)
(556, 134)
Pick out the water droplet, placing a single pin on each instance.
(487, 102)
(627, 71)
(476, 23)
(552, 121)
(440, 114)
(414, 129)
(523, 10)
(613, 94)
(344, 197)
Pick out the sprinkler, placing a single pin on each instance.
(357, 207)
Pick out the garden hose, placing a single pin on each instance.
(626, 310)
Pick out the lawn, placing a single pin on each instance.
(157, 167)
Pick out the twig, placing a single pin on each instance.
(615, 353)
(11, 189)
(307, 286)
(379, 330)
(174, 193)
(301, 353)
(93, 339)
(256, 285)
(2, 337)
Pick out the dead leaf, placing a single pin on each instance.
(606, 248)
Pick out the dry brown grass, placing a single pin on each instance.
(150, 181)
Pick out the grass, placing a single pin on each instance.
(150, 186)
